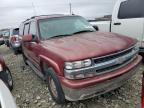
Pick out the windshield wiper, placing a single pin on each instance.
(82, 31)
(64, 35)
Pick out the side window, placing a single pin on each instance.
(32, 28)
(131, 9)
(15, 31)
(21, 28)
(26, 29)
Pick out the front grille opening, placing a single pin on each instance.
(112, 68)
(111, 57)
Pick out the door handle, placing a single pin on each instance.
(118, 23)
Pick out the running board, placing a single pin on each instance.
(35, 70)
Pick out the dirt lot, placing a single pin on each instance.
(31, 92)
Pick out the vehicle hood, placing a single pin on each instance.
(87, 45)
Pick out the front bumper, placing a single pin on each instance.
(16, 46)
(87, 88)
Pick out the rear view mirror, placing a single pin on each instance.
(27, 38)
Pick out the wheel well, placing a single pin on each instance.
(44, 67)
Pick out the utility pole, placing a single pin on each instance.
(34, 9)
(70, 5)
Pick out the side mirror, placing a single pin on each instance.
(96, 28)
(27, 38)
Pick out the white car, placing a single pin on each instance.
(6, 98)
(127, 19)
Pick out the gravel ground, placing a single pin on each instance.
(31, 92)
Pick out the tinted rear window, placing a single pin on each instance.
(16, 32)
(131, 9)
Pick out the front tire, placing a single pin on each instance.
(6, 77)
(7, 44)
(54, 87)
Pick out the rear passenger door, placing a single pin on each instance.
(128, 18)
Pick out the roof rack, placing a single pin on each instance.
(44, 15)
(40, 16)
(26, 20)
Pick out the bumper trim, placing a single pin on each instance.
(99, 88)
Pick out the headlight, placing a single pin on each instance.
(1, 68)
(78, 64)
(136, 47)
(70, 68)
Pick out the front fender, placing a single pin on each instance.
(50, 63)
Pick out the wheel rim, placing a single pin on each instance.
(53, 87)
(9, 78)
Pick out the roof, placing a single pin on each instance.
(47, 16)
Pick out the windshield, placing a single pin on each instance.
(63, 26)
(15, 31)
(6, 33)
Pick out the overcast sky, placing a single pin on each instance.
(12, 12)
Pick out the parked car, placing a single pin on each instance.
(77, 61)
(6, 98)
(5, 74)
(142, 94)
(6, 35)
(14, 41)
(1, 38)
(127, 19)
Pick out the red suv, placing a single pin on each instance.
(77, 61)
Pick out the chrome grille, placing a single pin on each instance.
(114, 67)
(114, 61)
(112, 56)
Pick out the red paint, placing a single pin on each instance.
(2, 62)
(55, 52)
(142, 96)
(13, 39)
(87, 45)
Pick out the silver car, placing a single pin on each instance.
(14, 41)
